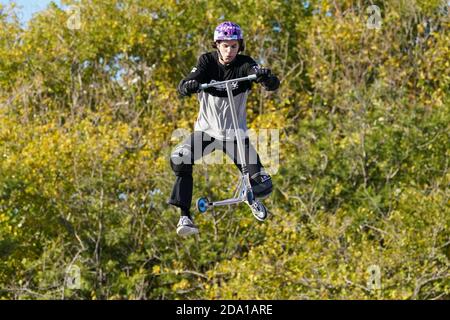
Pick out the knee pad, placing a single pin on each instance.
(261, 184)
(181, 160)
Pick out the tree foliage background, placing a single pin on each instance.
(86, 120)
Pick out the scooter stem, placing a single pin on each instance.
(239, 143)
(236, 126)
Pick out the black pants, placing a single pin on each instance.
(197, 145)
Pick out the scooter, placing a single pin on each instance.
(243, 192)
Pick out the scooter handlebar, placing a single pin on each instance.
(204, 86)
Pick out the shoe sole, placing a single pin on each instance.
(260, 219)
(186, 231)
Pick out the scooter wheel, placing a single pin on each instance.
(259, 210)
(202, 205)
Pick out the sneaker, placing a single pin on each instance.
(186, 227)
(259, 210)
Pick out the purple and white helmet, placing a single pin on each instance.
(228, 31)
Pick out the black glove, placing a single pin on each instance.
(262, 74)
(191, 86)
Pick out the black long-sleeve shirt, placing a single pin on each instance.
(214, 116)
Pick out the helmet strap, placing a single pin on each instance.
(220, 55)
